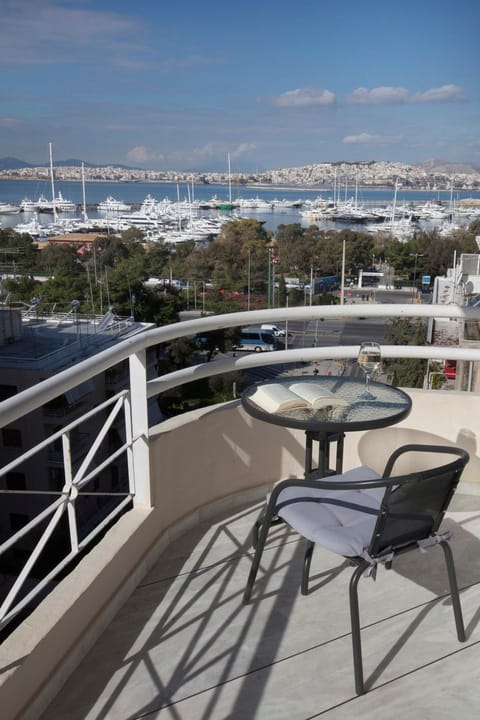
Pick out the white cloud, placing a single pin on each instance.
(243, 149)
(139, 154)
(378, 96)
(304, 97)
(445, 93)
(368, 139)
(397, 95)
(206, 151)
(48, 33)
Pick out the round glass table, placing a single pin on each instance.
(382, 406)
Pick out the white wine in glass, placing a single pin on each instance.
(369, 359)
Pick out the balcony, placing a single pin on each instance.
(150, 622)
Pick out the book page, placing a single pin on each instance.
(275, 397)
(316, 395)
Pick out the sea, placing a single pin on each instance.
(134, 193)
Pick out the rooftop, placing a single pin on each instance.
(55, 340)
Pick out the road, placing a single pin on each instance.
(351, 331)
(323, 333)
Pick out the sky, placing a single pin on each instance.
(270, 84)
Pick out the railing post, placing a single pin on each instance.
(139, 418)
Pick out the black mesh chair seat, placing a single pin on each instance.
(369, 519)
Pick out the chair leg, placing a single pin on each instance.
(256, 532)
(355, 623)
(452, 579)
(256, 528)
(306, 567)
(259, 543)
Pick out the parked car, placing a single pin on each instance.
(450, 369)
(277, 332)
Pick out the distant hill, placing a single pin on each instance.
(439, 166)
(432, 167)
(11, 163)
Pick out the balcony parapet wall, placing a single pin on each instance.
(202, 463)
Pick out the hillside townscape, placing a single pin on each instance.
(427, 176)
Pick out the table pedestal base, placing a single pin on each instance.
(324, 440)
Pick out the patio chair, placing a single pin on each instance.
(369, 519)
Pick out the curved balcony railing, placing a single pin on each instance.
(131, 406)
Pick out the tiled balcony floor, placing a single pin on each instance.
(184, 648)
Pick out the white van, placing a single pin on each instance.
(278, 332)
(256, 339)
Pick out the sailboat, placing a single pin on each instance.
(401, 228)
(225, 204)
(57, 204)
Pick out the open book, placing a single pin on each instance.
(277, 397)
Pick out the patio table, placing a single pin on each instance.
(386, 406)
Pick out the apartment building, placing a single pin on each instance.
(34, 347)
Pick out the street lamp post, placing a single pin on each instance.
(286, 322)
(248, 280)
(269, 278)
(416, 256)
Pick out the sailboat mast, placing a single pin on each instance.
(53, 184)
(229, 181)
(394, 208)
(83, 193)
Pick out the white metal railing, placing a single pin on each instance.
(133, 402)
(65, 500)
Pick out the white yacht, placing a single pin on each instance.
(254, 204)
(28, 205)
(401, 228)
(62, 205)
(9, 209)
(110, 205)
(46, 206)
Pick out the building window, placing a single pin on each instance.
(56, 479)
(15, 481)
(115, 480)
(11, 437)
(18, 521)
(7, 391)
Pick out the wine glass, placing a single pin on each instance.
(369, 359)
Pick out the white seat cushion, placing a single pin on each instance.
(342, 521)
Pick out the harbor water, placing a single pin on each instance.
(134, 193)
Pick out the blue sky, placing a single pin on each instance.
(180, 85)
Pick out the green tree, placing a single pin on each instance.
(182, 351)
(18, 252)
(239, 242)
(407, 372)
(61, 259)
(228, 385)
(128, 294)
(20, 290)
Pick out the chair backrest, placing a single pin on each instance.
(413, 505)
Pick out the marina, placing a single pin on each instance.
(175, 213)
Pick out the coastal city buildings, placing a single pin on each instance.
(428, 176)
